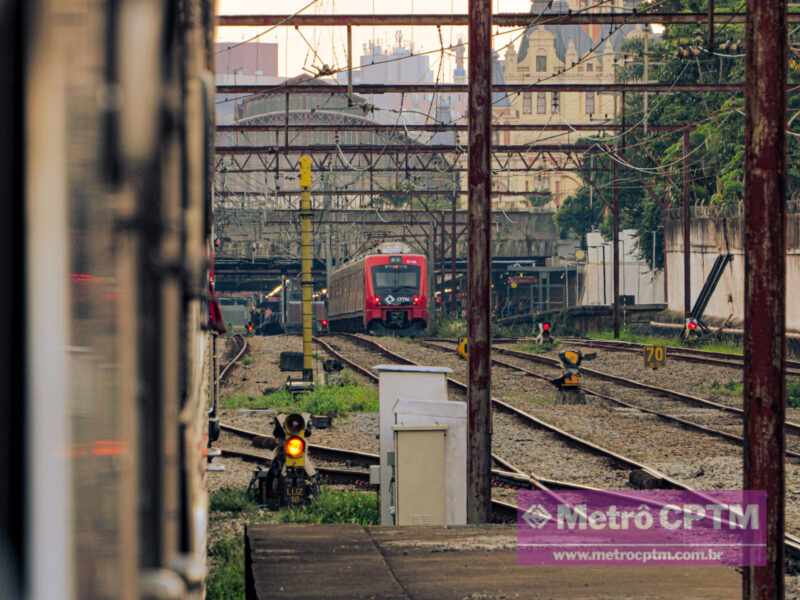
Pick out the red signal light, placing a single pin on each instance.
(324, 322)
(691, 325)
(545, 326)
(415, 300)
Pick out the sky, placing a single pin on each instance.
(330, 42)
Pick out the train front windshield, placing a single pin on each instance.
(394, 279)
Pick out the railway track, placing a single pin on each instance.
(672, 419)
(684, 354)
(242, 341)
(638, 471)
(790, 426)
(692, 355)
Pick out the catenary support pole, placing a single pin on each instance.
(615, 215)
(687, 232)
(479, 264)
(306, 249)
(765, 283)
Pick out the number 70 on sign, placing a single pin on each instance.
(655, 356)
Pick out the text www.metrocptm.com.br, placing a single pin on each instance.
(642, 556)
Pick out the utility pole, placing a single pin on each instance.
(479, 480)
(615, 216)
(647, 75)
(453, 248)
(687, 232)
(306, 249)
(765, 283)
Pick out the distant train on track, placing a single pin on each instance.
(382, 292)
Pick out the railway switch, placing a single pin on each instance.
(463, 348)
(544, 333)
(692, 331)
(569, 384)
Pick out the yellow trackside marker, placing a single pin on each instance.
(462, 349)
(655, 356)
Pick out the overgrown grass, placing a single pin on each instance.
(337, 506)
(730, 388)
(331, 400)
(449, 328)
(535, 348)
(793, 394)
(229, 499)
(626, 335)
(226, 574)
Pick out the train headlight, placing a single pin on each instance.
(294, 447)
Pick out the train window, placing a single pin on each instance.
(392, 278)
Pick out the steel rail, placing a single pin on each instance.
(498, 19)
(672, 419)
(791, 542)
(692, 355)
(224, 372)
(333, 475)
(327, 474)
(355, 457)
(602, 375)
(506, 465)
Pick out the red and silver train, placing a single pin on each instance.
(383, 292)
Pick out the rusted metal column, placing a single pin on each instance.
(687, 232)
(479, 263)
(765, 282)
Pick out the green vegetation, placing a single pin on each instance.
(793, 394)
(626, 335)
(449, 328)
(229, 499)
(324, 400)
(226, 573)
(652, 184)
(535, 348)
(247, 360)
(337, 506)
(226, 556)
(729, 388)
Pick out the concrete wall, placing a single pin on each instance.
(636, 277)
(711, 236)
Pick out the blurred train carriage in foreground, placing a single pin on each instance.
(106, 161)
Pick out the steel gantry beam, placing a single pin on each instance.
(385, 149)
(499, 20)
(460, 88)
(435, 128)
(354, 158)
(374, 192)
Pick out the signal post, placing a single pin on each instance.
(306, 248)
